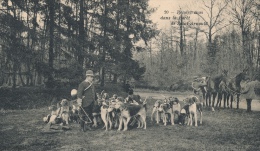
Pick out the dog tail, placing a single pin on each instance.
(144, 103)
(102, 92)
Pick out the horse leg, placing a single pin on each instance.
(219, 99)
(228, 95)
(204, 99)
(231, 101)
(207, 99)
(238, 101)
(248, 104)
(214, 97)
(225, 99)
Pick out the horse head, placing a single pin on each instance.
(243, 76)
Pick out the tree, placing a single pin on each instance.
(214, 10)
(242, 16)
(243, 12)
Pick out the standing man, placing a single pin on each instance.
(86, 98)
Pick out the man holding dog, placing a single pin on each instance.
(86, 97)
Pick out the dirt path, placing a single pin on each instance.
(183, 95)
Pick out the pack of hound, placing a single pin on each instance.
(119, 113)
(171, 111)
(113, 112)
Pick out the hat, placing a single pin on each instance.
(89, 73)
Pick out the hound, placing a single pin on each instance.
(176, 107)
(194, 105)
(105, 115)
(128, 111)
(155, 109)
(166, 108)
(64, 111)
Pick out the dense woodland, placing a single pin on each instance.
(52, 42)
(44, 41)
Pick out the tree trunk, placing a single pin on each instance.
(21, 77)
(51, 42)
(81, 34)
(104, 46)
(181, 36)
(14, 75)
(114, 78)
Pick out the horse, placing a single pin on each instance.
(232, 86)
(223, 91)
(212, 87)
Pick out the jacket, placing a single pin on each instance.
(86, 92)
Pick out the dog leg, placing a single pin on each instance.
(195, 118)
(94, 121)
(120, 123)
(200, 117)
(103, 117)
(172, 118)
(140, 122)
(157, 117)
(190, 120)
(110, 122)
(165, 119)
(116, 122)
(154, 109)
(144, 121)
(126, 123)
(67, 120)
(138, 119)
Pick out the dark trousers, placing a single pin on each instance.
(83, 115)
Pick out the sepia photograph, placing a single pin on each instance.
(130, 75)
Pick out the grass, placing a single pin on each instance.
(224, 129)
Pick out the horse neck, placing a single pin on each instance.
(238, 80)
(217, 79)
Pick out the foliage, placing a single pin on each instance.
(49, 36)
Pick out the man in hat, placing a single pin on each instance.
(86, 97)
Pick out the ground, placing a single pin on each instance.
(224, 129)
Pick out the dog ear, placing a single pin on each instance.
(171, 102)
(176, 100)
(194, 99)
(191, 101)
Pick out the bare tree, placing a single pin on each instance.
(243, 13)
(214, 10)
(242, 16)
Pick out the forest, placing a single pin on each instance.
(51, 43)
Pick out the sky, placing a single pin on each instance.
(169, 8)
